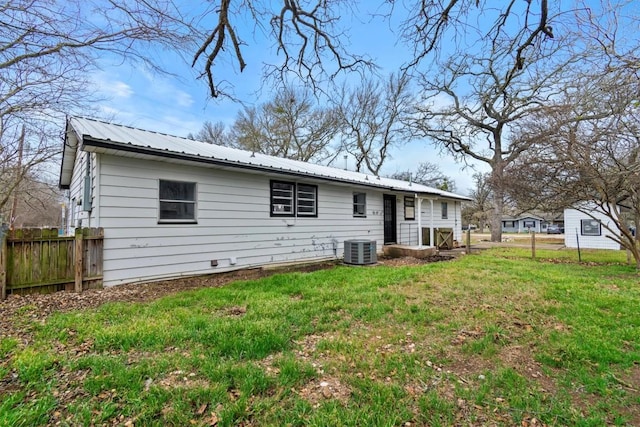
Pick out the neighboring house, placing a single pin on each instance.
(589, 229)
(174, 207)
(523, 224)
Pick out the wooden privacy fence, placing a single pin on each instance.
(41, 261)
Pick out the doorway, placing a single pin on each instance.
(389, 203)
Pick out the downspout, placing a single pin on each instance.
(419, 221)
(431, 241)
(455, 221)
(96, 192)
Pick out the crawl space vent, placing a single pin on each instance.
(360, 252)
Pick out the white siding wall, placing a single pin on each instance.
(76, 214)
(572, 225)
(233, 222)
(408, 229)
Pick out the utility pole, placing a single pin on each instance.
(14, 205)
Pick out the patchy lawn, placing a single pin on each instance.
(490, 339)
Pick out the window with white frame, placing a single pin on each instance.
(409, 208)
(360, 205)
(177, 201)
(590, 227)
(445, 210)
(290, 199)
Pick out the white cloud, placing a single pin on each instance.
(120, 89)
(183, 99)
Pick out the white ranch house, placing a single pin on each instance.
(523, 224)
(174, 207)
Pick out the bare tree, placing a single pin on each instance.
(291, 125)
(36, 203)
(24, 151)
(427, 173)
(48, 50)
(312, 38)
(478, 210)
(213, 133)
(308, 38)
(588, 153)
(372, 119)
(474, 98)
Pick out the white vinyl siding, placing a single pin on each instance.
(234, 222)
(574, 230)
(408, 229)
(76, 215)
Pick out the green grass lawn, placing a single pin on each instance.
(493, 338)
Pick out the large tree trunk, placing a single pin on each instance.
(496, 216)
(497, 187)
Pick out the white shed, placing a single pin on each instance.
(589, 228)
(173, 207)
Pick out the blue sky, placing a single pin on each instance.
(178, 104)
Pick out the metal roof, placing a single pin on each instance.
(98, 136)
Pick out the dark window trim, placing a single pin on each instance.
(315, 201)
(412, 204)
(294, 207)
(293, 199)
(193, 220)
(357, 215)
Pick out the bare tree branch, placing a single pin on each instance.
(307, 38)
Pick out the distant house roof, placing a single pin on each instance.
(536, 214)
(523, 216)
(101, 137)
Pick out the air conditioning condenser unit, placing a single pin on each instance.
(360, 252)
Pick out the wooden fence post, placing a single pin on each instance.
(469, 241)
(78, 253)
(3, 266)
(533, 245)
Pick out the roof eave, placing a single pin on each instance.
(69, 148)
(89, 142)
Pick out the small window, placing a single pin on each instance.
(177, 201)
(529, 224)
(289, 199)
(509, 224)
(590, 227)
(282, 198)
(306, 200)
(360, 205)
(409, 208)
(444, 210)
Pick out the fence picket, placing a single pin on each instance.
(35, 260)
